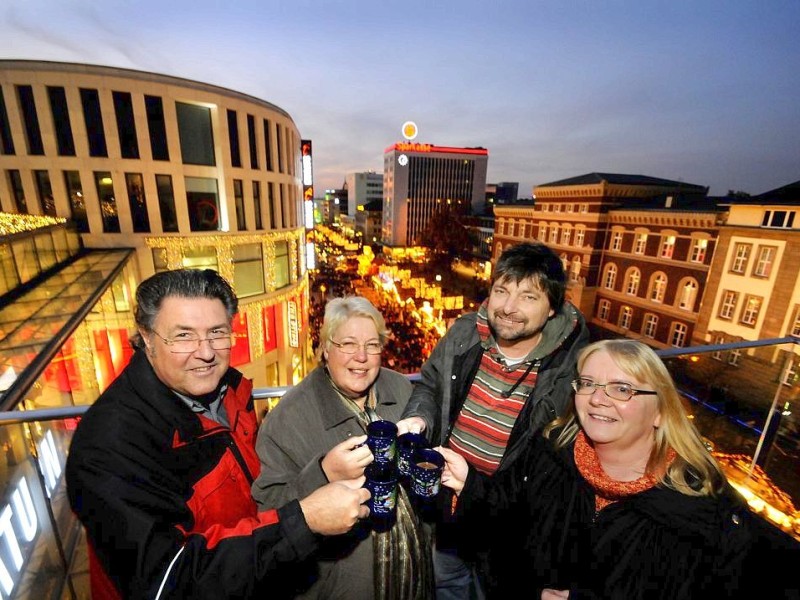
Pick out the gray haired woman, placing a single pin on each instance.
(316, 434)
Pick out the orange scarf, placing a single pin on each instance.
(608, 490)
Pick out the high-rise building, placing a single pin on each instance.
(363, 188)
(421, 179)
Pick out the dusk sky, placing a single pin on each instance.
(697, 91)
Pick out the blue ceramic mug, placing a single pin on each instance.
(382, 442)
(426, 473)
(381, 481)
(407, 444)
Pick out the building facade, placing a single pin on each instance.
(368, 222)
(623, 217)
(185, 173)
(753, 293)
(362, 188)
(661, 262)
(421, 179)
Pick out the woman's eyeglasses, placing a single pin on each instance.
(613, 389)
(353, 347)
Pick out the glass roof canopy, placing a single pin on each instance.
(36, 324)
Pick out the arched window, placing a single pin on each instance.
(632, 279)
(687, 294)
(658, 287)
(610, 276)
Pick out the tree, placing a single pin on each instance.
(446, 238)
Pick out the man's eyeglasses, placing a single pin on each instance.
(186, 343)
(353, 347)
(614, 390)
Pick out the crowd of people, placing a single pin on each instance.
(571, 469)
(408, 342)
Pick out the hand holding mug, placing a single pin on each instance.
(334, 508)
(347, 459)
(455, 470)
(411, 425)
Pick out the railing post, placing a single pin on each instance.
(770, 414)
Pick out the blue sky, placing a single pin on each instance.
(706, 92)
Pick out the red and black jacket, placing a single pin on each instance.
(164, 496)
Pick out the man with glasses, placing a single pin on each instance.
(160, 467)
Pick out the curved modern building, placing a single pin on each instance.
(107, 176)
(181, 172)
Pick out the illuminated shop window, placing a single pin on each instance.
(281, 264)
(248, 270)
(202, 257)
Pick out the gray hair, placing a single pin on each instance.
(340, 310)
(183, 283)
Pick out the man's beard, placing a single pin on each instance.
(523, 334)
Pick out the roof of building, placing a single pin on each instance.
(622, 179)
(101, 71)
(788, 195)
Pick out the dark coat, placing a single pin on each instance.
(539, 524)
(446, 378)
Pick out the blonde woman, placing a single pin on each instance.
(620, 499)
